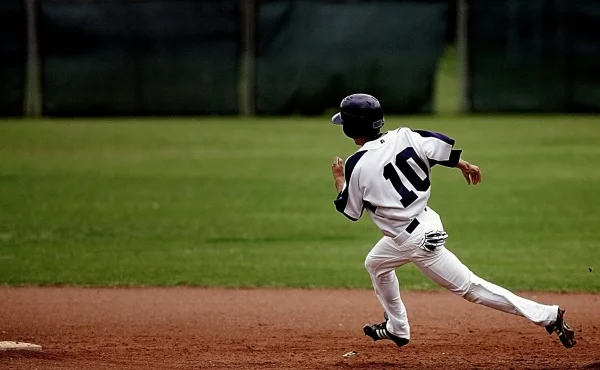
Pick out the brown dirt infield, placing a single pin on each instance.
(193, 328)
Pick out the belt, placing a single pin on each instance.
(412, 226)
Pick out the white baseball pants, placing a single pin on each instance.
(443, 267)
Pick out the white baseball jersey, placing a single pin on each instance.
(389, 176)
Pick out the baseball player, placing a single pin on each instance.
(389, 177)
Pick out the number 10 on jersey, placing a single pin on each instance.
(389, 173)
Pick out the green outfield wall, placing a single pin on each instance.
(113, 57)
(281, 57)
(313, 53)
(13, 57)
(534, 56)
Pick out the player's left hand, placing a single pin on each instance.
(471, 172)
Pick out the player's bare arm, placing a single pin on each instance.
(471, 172)
(337, 169)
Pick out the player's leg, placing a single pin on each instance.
(381, 263)
(443, 267)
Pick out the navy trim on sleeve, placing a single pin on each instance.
(339, 201)
(342, 200)
(437, 135)
(451, 162)
(342, 210)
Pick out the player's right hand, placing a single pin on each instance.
(337, 169)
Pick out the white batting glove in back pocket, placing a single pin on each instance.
(433, 240)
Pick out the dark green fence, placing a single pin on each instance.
(534, 56)
(13, 57)
(313, 53)
(583, 63)
(197, 57)
(114, 57)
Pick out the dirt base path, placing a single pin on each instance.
(187, 328)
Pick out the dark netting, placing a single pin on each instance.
(114, 57)
(13, 57)
(534, 56)
(311, 54)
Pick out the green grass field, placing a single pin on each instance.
(248, 202)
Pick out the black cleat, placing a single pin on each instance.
(562, 329)
(379, 331)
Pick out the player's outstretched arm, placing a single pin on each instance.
(471, 172)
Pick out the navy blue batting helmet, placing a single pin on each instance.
(360, 115)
